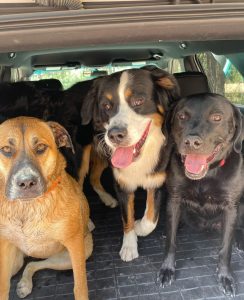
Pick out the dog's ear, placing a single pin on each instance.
(88, 104)
(61, 135)
(166, 82)
(166, 126)
(239, 129)
(169, 119)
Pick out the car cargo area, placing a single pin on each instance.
(199, 42)
(110, 278)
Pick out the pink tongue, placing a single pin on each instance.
(122, 157)
(195, 163)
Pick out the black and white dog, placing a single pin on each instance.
(128, 111)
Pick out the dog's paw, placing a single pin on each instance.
(90, 225)
(107, 199)
(166, 277)
(240, 246)
(227, 285)
(240, 242)
(24, 288)
(128, 253)
(144, 227)
(129, 250)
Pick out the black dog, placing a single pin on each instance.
(205, 180)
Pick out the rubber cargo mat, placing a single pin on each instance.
(109, 278)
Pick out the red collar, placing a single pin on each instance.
(222, 162)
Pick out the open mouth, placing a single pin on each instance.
(124, 156)
(197, 165)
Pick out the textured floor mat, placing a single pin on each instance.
(110, 278)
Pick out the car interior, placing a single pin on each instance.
(55, 45)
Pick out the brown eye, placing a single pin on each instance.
(107, 106)
(216, 117)
(137, 101)
(182, 116)
(6, 150)
(40, 148)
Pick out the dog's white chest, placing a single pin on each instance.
(134, 179)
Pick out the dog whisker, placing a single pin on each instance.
(101, 146)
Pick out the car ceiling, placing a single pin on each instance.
(103, 55)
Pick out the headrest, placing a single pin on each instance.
(48, 84)
(192, 83)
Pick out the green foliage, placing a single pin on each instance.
(66, 77)
(230, 85)
(69, 77)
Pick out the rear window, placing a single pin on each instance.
(70, 76)
(223, 77)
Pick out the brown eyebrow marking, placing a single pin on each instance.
(35, 140)
(11, 141)
(109, 96)
(128, 92)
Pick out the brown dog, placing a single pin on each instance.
(43, 212)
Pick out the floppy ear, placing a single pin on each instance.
(87, 107)
(170, 115)
(239, 131)
(167, 82)
(173, 110)
(61, 135)
(166, 126)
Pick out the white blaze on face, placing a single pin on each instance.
(126, 116)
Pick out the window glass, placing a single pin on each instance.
(70, 76)
(176, 66)
(223, 77)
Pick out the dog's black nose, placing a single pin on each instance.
(27, 182)
(117, 134)
(193, 141)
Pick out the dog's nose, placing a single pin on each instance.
(193, 141)
(27, 182)
(117, 134)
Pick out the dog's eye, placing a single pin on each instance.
(137, 101)
(107, 106)
(182, 116)
(6, 150)
(40, 148)
(216, 117)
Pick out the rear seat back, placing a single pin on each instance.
(47, 84)
(192, 83)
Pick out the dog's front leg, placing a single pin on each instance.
(149, 221)
(76, 249)
(225, 278)
(11, 260)
(128, 250)
(98, 165)
(167, 271)
(239, 232)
